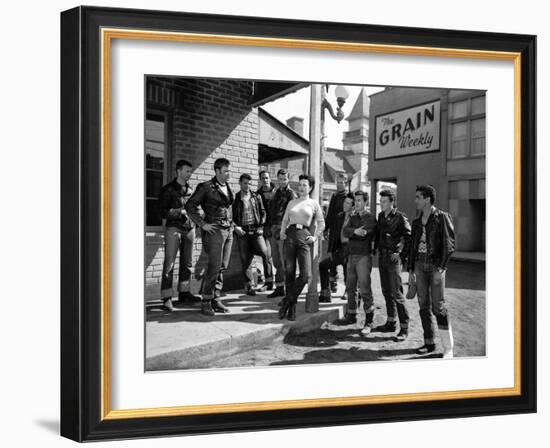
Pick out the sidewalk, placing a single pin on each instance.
(186, 339)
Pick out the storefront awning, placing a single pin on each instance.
(266, 91)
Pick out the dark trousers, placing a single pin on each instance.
(430, 288)
(359, 270)
(177, 240)
(328, 266)
(217, 247)
(392, 288)
(249, 245)
(296, 251)
(278, 255)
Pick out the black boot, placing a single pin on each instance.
(219, 307)
(206, 308)
(279, 291)
(291, 315)
(187, 297)
(388, 327)
(283, 310)
(425, 349)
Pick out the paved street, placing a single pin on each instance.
(465, 295)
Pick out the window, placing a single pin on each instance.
(467, 128)
(155, 163)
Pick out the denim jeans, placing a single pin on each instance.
(268, 261)
(392, 288)
(359, 270)
(296, 250)
(328, 266)
(217, 247)
(430, 287)
(277, 254)
(250, 245)
(177, 240)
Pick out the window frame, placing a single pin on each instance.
(468, 118)
(167, 161)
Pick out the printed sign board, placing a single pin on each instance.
(408, 131)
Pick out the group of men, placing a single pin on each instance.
(353, 233)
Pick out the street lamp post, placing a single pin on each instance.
(318, 105)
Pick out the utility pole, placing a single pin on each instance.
(316, 143)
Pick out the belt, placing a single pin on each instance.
(298, 226)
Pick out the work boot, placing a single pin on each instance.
(187, 297)
(167, 304)
(402, 335)
(348, 319)
(278, 292)
(333, 286)
(388, 327)
(425, 349)
(219, 307)
(206, 308)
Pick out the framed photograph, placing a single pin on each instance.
(276, 224)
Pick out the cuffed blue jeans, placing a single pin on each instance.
(177, 240)
(430, 288)
(392, 288)
(217, 247)
(359, 270)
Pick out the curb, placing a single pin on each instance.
(199, 356)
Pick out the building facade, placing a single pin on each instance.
(432, 136)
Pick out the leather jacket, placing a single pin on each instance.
(390, 231)
(257, 206)
(440, 239)
(335, 206)
(214, 203)
(172, 199)
(278, 203)
(334, 240)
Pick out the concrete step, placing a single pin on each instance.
(186, 339)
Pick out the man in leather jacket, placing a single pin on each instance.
(277, 207)
(337, 251)
(179, 235)
(432, 244)
(266, 191)
(392, 241)
(335, 207)
(249, 217)
(215, 198)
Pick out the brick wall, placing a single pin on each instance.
(209, 119)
